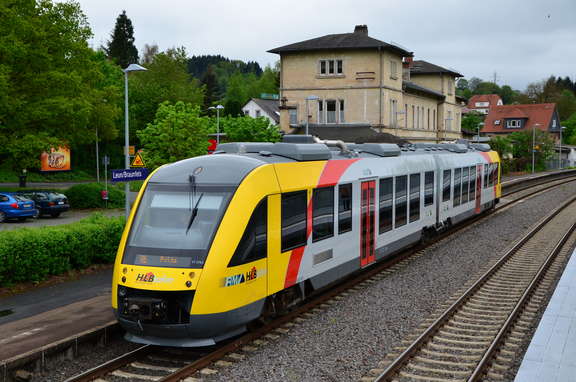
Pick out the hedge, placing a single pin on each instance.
(87, 195)
(33, 254)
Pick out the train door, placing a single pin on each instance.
(367, 222)
(478, 188)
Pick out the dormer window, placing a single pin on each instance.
(497, 122)
(513, 124)
(331, 68)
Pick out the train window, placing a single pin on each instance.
(322, 213)
(414, 197)
(253, 245)
(344, 208)
(446, 185)
(495, 174)
(401, 205)
(465, 185)
(386, 198)
(294, 215)
(457, 187)
(491, 175)
(472, 189)
(485, 176)
(429, 188)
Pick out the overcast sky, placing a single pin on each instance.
(521, 40)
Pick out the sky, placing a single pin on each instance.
(518, 41)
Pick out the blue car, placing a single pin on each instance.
(16, 207)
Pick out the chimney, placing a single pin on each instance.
(361, 29)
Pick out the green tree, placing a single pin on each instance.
(121, 47)
(178, 132)
(487, 88)
(501, 145)
(210, 87)
(522, 146)
(49, 80)
(566, 104)
(248, 129)
(236, 96)
(569, 134)
(471, 121)
(507, 94)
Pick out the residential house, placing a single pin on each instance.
(481, 103)
(506, 119)
(356, 82)
(258, 107)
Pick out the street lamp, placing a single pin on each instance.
(130, 68)
(560, 155)
(218, 108)
(309, 98)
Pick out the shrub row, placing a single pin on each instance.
(87, 195)
(33, 254)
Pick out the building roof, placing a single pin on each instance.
(352, 134)
(359, 39)
(424, 67)
(536, 114)
(411, 87)
(270, 107)
(492, 100)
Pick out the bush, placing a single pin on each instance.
(87, 195)
(33, 254)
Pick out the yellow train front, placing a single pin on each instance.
(213, 242)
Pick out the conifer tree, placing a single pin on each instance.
(121, 47)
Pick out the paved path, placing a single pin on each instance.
(65, 218)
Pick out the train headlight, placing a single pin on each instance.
(191, 275)
(123, 279)
(125, 270)
(188, 284)
(122, 291)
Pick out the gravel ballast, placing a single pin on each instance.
(346, 340)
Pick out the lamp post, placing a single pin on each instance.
(560, 155)
(130, 68)
(309, 98)
(218, 108)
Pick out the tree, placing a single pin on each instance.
(121, 47)
(522, 146)
(487, 88)
(535, 92)
(569, 134)
(178, 132)
(248, 129)
(210, 87)
(50, 80)
(473, 84)
(149, 52)
(502, 146)
(471, 121)
(235, 96)
(566, 104)
(507, 94)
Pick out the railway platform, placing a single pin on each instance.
(551, 355)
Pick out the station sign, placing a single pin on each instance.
(127, 175)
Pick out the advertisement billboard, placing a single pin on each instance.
(55, 160)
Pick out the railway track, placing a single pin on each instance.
(464, 342)
(169, 365)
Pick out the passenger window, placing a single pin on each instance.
(486, 167)
(495, 174)
(429, 188)
(414, 197)
(457, 187)
(472, 189)
(465, 185)
(322, 213)
(344, 208)
(446, 185)
(401, 205)
(385, 208)
(294, 215)
(253, 245)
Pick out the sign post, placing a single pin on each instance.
(106, 161)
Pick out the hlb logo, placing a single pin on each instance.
(146, 278)
(251, 275)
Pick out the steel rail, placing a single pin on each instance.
(448, 313)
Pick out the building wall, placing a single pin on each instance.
(252, 107)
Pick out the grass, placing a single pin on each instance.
(10, 176)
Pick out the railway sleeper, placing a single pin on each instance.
(474, 330)
(463, 336)
(412, 376)
(446, 372)
(459, 364)
(452, 356)
(459, 342)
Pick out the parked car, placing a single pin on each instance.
(14, 206)
(48, 202)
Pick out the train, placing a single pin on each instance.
(216, 242)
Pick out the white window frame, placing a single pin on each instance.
(335, 111)
(330, 62)
(497, 122)
(341, 108)
(513, 124)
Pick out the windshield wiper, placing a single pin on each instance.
(194, 213)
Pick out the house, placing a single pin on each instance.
(506, 119)
(354, 81)
(258, 107)
(481, 103)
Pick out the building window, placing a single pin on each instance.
(413, 117)
(344, 208)
(428, 188)
(258, 113)
(405, 115)
(428, 121)
(554, 122)
(417, 117)
(414, 197)
(446, 185)
(434, 120)
(401, 205)
(497, 122)
(385, 208)
(247, 113)
(253, 245)
(393, 70)
(293, 113)
(341, 116)
(294, 215)
(331, 67)
(320, 111)
(331, 111)
(481, 104)
(422, 117)
(322, 213)
(393, 113)
(449, 121)
(513, 124)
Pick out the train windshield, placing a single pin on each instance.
(174, 225)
